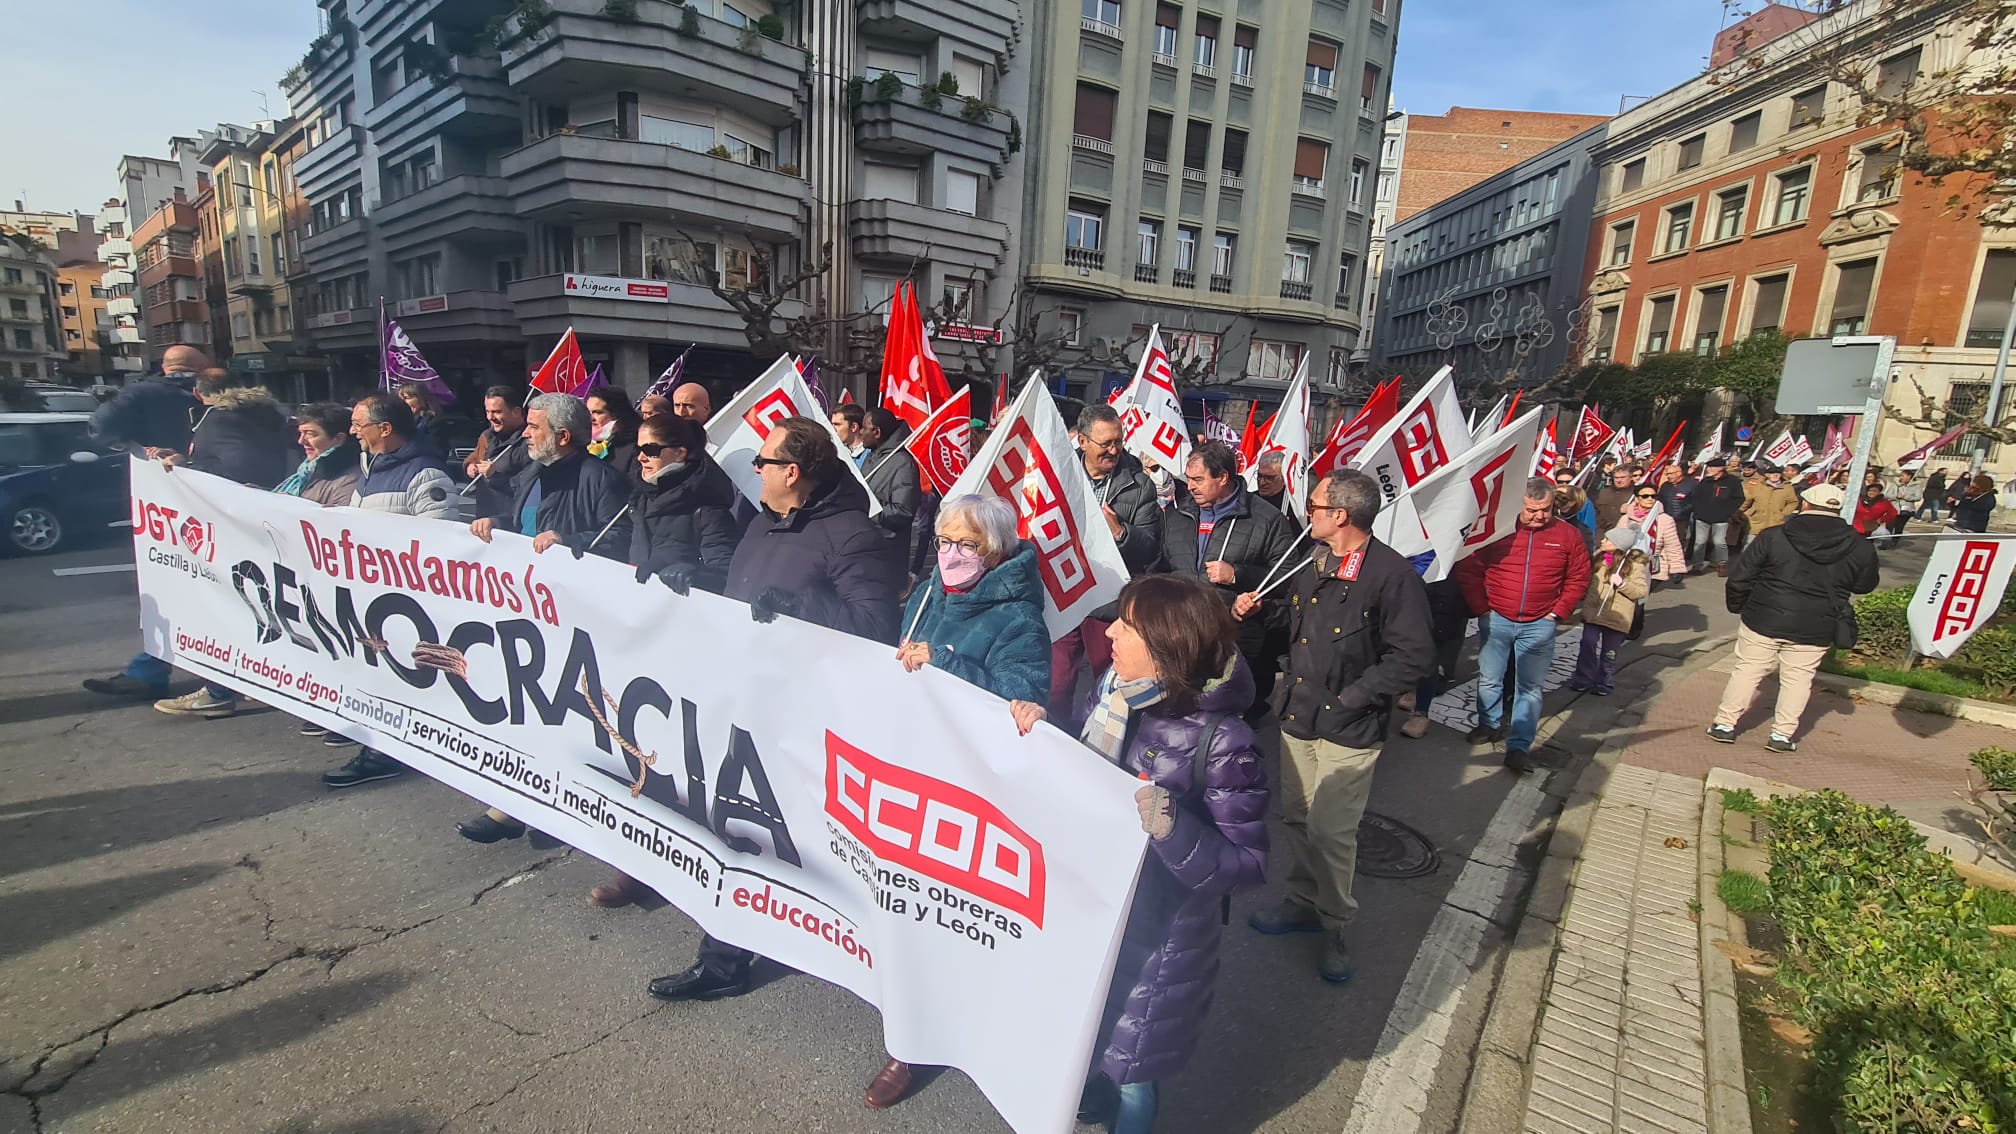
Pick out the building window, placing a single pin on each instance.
(1710, 305)
(1070, 325)
(1964, 400)
(1186, 249)
(1876, 174)
(1743, 131)
(1896, 74)
(1367, 88)
(1854, 287)
(1223, 247)
(1092, 119)
(420, 275)
(1659, 325)
(1244, 40)
(1147, 241)
(1168, 17)
(1795, 190)
(1693, 150)
(958, 299)
(1232, 155)
(1679, 227)
(1272, 360)
(672, 132)
(1358, 169)
(879, 61)
(1105, 14)
(1084, 229)
(888, 183)
(1620, 243)
(1809, 107)
(1345, 263)
(1729, 207)
(18, 308)
(1632, 176)
(1205, 55)
(1991, 300)
(1296, 260)
(1311, 158)
(1319, 73)
(1155, 141)
(962, 192)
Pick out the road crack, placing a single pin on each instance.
(540, 1067)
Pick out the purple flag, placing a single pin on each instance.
(1215, 428)
(405, 366)
(595, 381)
(810, 372)
(669, 381)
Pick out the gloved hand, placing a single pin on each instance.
(773, 602)
(1158, 816)
(644, 572)
(578, 543)
(679, 577)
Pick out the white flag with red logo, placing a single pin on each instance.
(1351, 436)
(1029, 461)
(913, 384)
(940, 444)
(1426, 435)
(1959, 592)
(1288, 434)
(1713, 448)
(1151, 415)
(1474, 500)
(1546, 454)
(1491, 422)
(1781, 450)
(1802, 451)
(736, 433)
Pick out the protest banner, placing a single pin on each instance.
(1546, 454)
(1915, 459)
(788, 787)
(1474, 499)
(940, 445)
(1960, 590)
(736, 432)
(1350, 436)
(1287, 433)
(1592, 435)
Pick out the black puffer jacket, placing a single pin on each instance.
(827, 559)
(1253, 536)
(1794, 578)
(1355, 645)
(1130, 492)
(687, 519)
(243, 435)
(1716, 500)
(891, 473)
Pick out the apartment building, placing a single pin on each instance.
(30, 346)
(1489, 280)
(80, 303)
(68, 237)
(168, 279)
(145, 185)
(1754, 200)
(598, 168)
(1210, 168)
(1385, 206)
(245, 225)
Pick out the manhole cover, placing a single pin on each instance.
(1388, 848)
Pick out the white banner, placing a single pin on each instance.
(1427, 434)
(1490, 422)
(736, 432)
(1029, 461)
(1150, 412)
(1474, 500)
(1779, 450)
(1960, 590)
(884, 831)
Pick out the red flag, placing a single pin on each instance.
(1547, 455)
(563, 369)
(1591, 435)
(1249, 441)
(1659, 462)
(1511, 411)
(1000, 401)
(941, 444)
(1349, 437)
(913, 384)
(846, 397)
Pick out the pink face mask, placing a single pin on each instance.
(959, 568)
(603, 431)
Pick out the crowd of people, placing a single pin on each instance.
(1237, 611)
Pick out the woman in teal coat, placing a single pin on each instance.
(979, 617)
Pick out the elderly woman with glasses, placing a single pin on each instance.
(979, 617)
(1661, 536)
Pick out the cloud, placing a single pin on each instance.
(153, 75)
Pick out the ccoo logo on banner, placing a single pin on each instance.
(1960, 590)
(789, 787)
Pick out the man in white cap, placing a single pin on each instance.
(1792, 587)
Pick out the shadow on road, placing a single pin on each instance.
(31, 919)
(44, 832)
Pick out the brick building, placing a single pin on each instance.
(168, 276)
(1443, 154)
(1750, 200)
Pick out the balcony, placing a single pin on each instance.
(1321, 90)
(574, 176)
(114, 246)
(469, 207)
(122, 305)
(1147, 273)
(126, 336)
(459, 316)
(987, 26)
(1094, 145)
(1229, 180)
(178, 311)
(116, 278)
(252, 283)
(1309, 187)
(1203, 71)
(167, 268)
(471, 101)
(1290, 289)
(607, 306)
(338, 246)
(1160, 168)
(318, 170)
(1099, 27)
(1222, 285)
(1241, 79)
(129, 365)
(1183, 277)
(1161, 60)
(583, 52)
(1343, 301)
(1196, 175)
(902, 126)
(1088, 258)
(902, 232)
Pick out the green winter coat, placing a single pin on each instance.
(992, 636)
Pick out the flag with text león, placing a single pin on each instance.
(1030, 462)
(736, 432)
(1351, 435)
(1426, 435)
(1151, 415)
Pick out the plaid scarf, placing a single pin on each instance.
(1106, 727)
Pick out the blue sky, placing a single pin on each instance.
(181, 75)
(1553, 55)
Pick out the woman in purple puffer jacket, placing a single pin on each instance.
(1177, 683)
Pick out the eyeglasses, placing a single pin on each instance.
(1105, 446)
(1314, 508)
(777, 462)
(1648, 496)
(653, 448)
(966, 545)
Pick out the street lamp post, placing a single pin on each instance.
(1995, 387)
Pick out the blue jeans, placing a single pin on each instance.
(1137, 1109)
(1440, 678)
(218, 692)
(149, 670)
(1530, 646)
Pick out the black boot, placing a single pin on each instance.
(700, 983)
(483, 829)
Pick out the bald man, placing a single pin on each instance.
(691, 400)
(654, 405)
(150, 418)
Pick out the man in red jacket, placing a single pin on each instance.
(1520, 588)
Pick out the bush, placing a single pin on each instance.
(689, 22)
(770, 27)
(976, 109)
(948, 83)
(1883, 634)
(888, 86)
(1997, 766)
(622, 10)
(1741, 800)
(1992, 650)
(931, 97)
(1743, 892)
(1892, 967)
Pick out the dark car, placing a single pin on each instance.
(56, 484)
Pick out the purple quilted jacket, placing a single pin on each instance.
(1168, 963)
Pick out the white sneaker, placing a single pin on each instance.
(198, 704)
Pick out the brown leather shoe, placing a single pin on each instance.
(889, 1086)
(616, 893)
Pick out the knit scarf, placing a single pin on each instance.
(293, 485)
(1106, 727)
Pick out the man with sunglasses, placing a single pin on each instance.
(812, 554)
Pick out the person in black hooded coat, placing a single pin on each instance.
(682, 518)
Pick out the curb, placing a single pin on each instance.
(1898, 696)
(1728, 1091)
(1494, 1091)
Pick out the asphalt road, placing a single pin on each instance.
(196, 936)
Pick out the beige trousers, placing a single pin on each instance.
(1756, 656)
(1324, 789)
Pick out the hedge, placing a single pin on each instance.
(1911, 1001)
(1885, 636)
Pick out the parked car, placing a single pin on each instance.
(56, 484)
(46, 397)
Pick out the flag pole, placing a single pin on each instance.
(384, 372)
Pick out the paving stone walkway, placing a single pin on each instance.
(1620, 1044)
